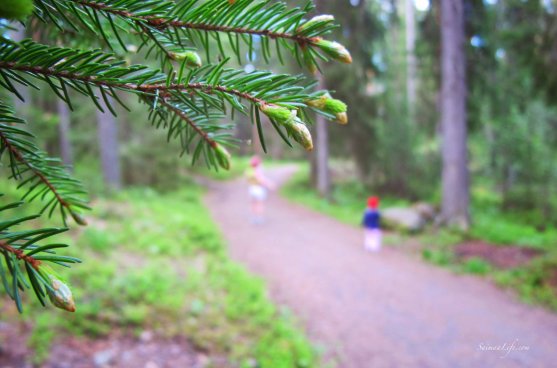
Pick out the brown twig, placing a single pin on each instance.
(20, 255)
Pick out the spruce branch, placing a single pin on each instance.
(80, 69)
(190, 22)
(69, 65)
(211, 87)
(37, 172)
(22, 255)
(21, 158)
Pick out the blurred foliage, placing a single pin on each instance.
(157, 262)
(535, 282)
(348, 199)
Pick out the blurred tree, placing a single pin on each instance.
(455, 181)
(107, 127)
(321, 160)
(188, 97)
(411, 72)
(66, 151)
(362, 32)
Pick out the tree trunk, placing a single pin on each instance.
(411, 74)
(64, 133)
(322, 172)
(20, 106)
(108, 147)
(456, 196)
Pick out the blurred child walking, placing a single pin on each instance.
(258, 187)
(372, 225)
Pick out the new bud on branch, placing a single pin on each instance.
(331, 106)
(325, 18)
(300, 132)
(289, 119)
(334, 50)
(277, 113)
(78, 218)
(223, 156)
(60, 294)
(191, 58)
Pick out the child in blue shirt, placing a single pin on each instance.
(372, 225)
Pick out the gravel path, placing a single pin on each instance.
(379, 310)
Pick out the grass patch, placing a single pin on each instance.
(157, 261)
(495, 227)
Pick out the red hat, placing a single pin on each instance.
(373, 202)
(255, 161)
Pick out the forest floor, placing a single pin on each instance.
(385, 309)
(115, 350)
(156, 290)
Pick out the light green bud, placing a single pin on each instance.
(223, 156)
(191, 58)
(60, 295)
(277, 113)
(300, 132)
(325, 18)
(334, 50)
(334, 106)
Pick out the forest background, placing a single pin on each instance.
(392, 146)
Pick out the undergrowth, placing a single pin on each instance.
(157, 261)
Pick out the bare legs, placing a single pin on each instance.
(257, 211)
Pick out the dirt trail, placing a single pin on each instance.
(378, 310)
